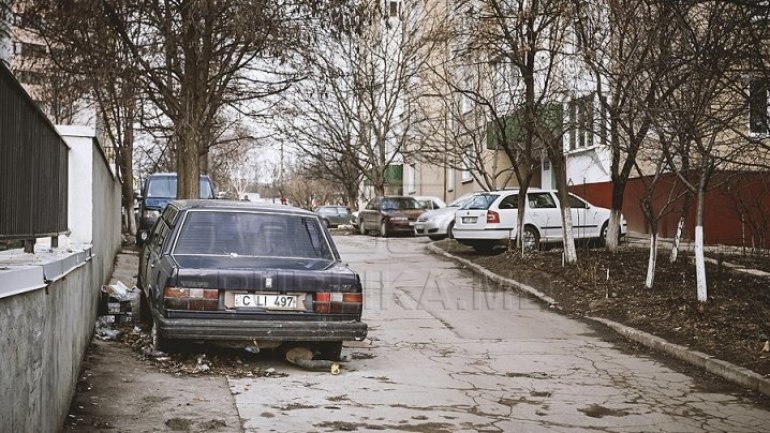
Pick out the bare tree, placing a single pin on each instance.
(504, 61)
(195, 58)
(627, 47)
(352, 114)
(701, 124)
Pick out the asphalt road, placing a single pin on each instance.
(446, 353)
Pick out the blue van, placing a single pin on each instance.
(159, 189)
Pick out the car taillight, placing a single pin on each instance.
(337, 303)
(493, 217)
(178, 298)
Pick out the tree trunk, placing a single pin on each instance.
(187, 163)
(679, 229)
(613, 231)
(700, 263)
(126, 164)
(613, 227)
(650, 281)
(568, 238)
(521, 211)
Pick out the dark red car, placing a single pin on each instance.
(389, 215)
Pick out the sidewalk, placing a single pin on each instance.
(733, 373)
(119, 391)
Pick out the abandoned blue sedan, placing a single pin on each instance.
(248, 275)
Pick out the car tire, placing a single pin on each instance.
(328, 224)
(361, 228)
(450, 230)
(158, 342)
(330, 351)
(384, 229)
(145, 312)
(436, 237)
(531, 239)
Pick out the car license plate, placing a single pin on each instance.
(270, 302)
(469, 220)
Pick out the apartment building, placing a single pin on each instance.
(455, 153)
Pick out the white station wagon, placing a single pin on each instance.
(489, 219)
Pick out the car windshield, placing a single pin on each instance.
(480, 201)
(460, 201)
(400, 203)
(425, 204)
(271, 235)
(165, 186)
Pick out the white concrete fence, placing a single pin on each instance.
(49, 300)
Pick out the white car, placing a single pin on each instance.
(489, 219)
(437, 224)
(429, 202)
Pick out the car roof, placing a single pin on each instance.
(238, 205)
(516, 190)
(169, 174)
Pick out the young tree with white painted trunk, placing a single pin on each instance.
(626, 45)
(514, 48)
(700, 126)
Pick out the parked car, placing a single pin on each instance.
(389, 215)
(489, 219)
(437, 224)
(429, 202)
(245, 274)
(334, 216)
(158, 190)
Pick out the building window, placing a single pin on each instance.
(758, 106)
(581, 117)
(394, 7)
(466, 175)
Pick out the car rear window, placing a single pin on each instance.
(165, 186)
(481, 201)
(401, 203)
(252, 234)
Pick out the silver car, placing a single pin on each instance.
(334, 216)
(437, 224)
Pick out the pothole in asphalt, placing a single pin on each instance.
(598, 411)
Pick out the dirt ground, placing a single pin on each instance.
(733, 326)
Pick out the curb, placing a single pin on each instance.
(496, 278)
(728, 371)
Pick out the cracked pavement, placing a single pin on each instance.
(448, 352)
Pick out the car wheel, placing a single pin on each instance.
(531, 239)
(328, 224)
(436, 237)
(145, 313)
(361, 228)
(158, 342)
(383, 229)
(450, 230)
(331, 351)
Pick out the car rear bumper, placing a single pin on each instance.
(480, 234)
(265, 330)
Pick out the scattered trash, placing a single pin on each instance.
(103, 331)
(202, 366)
(120, 302)
(303, 357)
